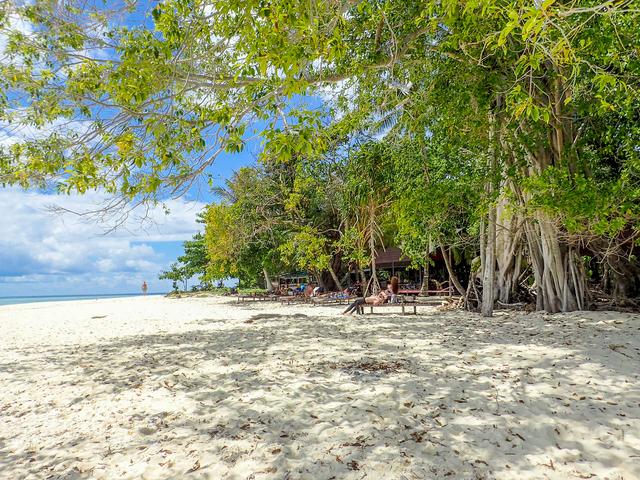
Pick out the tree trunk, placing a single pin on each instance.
(375, 284)
(537, 262)
(321, 283)
(489, 257)
(452, 274)
(563, 282)
(483, 246)
(558, 272)
(424, 290)
(509, 243)
(620, 277)
(346, 278)
(335, 278)
(267, 280)
(363, 278)
(489, 263)
(558, 269)
(473, 275)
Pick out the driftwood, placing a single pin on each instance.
(512, 306)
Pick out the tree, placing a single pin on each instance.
(195, 259)
(193, 262)
(244, 231)
(518, 85)
(365, 203)
(436, 199)
(308, 250)
(177, 273)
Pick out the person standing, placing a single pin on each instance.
(144, 287)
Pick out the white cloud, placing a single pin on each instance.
(39, 247)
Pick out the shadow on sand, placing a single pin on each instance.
(442, 395)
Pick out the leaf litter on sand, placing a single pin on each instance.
(430, 398)
(370, 366)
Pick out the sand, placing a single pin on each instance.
(197, 388)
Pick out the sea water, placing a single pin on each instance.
(64, 298)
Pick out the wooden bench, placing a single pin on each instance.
(403, 303)
(332, 300)
(290, 299)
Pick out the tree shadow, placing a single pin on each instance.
(441, 395)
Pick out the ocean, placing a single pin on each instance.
(64, 298)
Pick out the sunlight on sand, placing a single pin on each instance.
(209, 388)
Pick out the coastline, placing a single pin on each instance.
(153, 387)
(25, 299)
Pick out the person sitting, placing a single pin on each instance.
(382, 297)
(308, 291)
(393, 288)
(346, 293)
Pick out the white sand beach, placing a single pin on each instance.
(198, 388)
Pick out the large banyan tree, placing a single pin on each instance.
(138, 100)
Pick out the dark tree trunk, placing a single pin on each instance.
(452, 274)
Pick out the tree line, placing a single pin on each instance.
(502, 130)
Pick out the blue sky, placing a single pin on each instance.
(45, 253)
(42, 253)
